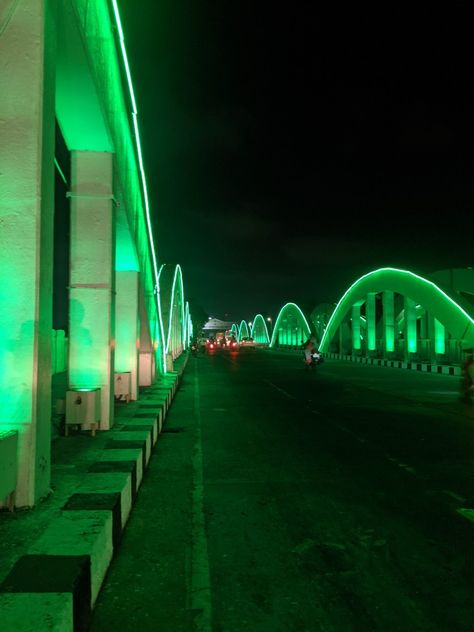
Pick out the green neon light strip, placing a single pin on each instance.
(60, 171)
(287, 306)
(118, 22)
(242, 325)
(177, 273)
(412, 274)
(259, 317)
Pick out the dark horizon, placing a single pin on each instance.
(287, 153)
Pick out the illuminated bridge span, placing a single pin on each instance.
(65, 82)
(392, 314)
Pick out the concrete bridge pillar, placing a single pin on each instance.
(410, 334)
(356, 345)
(27, 88)
(92, 278)
(371, 322)
(388, 310)
(127, 332)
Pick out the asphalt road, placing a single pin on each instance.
(280, 499)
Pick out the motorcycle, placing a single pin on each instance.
(314, 360)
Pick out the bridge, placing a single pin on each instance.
(126, 311)
(73, 181)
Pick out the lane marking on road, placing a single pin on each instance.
(403, 466)
(353, 434)
(280, 389)
(457, 497)
(200, 588)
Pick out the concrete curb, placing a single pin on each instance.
(55, 585)
(398, 364)
(425, 367)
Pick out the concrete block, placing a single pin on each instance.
(112, 482)
(80, 533)
(33, 612)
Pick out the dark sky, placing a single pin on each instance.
(290, 148)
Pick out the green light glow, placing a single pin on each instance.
(389, 320)
(143, 180)
(60, 171)
(410, 324)
(177, 277)
(371, 324)
(259, 331)
(288, 335)
(356, 321)
(440, 337)
(449, 311)
(243, 331)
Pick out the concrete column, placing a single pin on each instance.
(92, 278)
(409, 312)
(127, 332)
(371, 323)
(356, 328)
(27, 88)
(388, 310)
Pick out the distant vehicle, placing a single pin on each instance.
(247, 342)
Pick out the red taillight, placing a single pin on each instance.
(211, 346)
(234, 344)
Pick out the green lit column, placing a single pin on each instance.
(356, 328)
(437, 336)
(92, 278)
(388, 309)
(127, 335)
(27, 72)
(371, 324)
(409, 309)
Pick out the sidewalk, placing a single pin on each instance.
(54, 556)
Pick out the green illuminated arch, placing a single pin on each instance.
(259, 331)
(446, 306)
(243, 330)
(290, 326)
(235, 331)
(188, 326)
(173, 308)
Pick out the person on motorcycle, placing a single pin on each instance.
(308, 349)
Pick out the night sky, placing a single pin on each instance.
(290, 148)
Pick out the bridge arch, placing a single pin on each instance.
(171, 296)
(405, 314)
(291, 327)
(243, 330)
(259, 331)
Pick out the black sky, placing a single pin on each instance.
(291, 148)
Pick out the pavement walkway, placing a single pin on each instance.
(54, 556)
